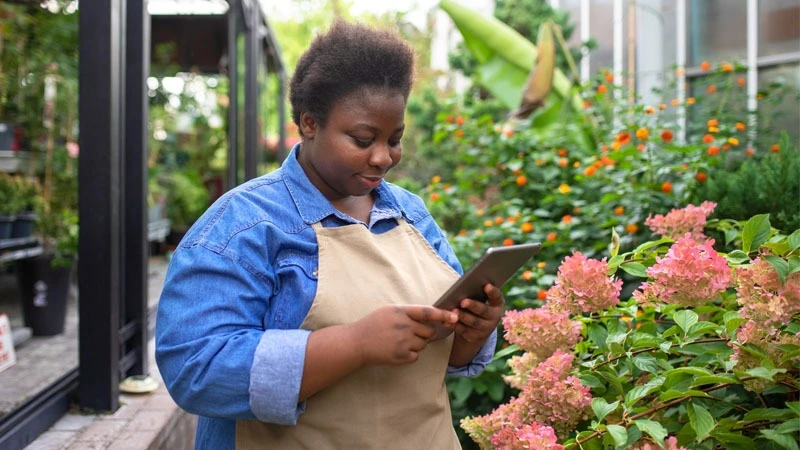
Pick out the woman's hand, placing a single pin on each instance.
(394, 335)
(476, 319)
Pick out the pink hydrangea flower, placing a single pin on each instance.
(532, 436)
(583, 286)
(769, 340)
(550, 397)
(678, 222)
(690, 274)
(763, 297)
(541, 331)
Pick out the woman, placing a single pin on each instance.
(296, 312)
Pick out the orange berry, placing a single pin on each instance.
(619, 210)
(726, 146)
(674, 102)
(521, 180)
(713, 123)
(511, 220)
(434, 196)
(616, 146)
(711, 88)
(741, 126)
(750, 152)
(541, 264)
(563, 162)
(705, 65)
(701, 177)
(666, 135)
(631, 228)
(609, 78)
(713, 150)
(666, 187)
(567, 219)
(459, 133)
(542, 294)
(662, 106)
(498, 220)
(640, 147)
(589, 171)
(487, 223)
(727, 67)
(587, 105)
(508, 241)
(526, 227)
(642, 134)
(775, 148)
(551, 237)
(462, 232)
(459, 120)
(741, 82)
(690, 101)
(649, 110)
(707, 139)
(436, 179)
(602, 89)
(562, 152)
(623, 137)
(450, 119)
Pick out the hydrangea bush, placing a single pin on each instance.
(704, 354)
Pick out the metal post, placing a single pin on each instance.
(752, 70)
(251, 93)
(281, 100)
(136, 246)
(585, 36)
(680, 17)
(101, 65)
(234, 12)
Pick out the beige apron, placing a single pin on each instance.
(376, 407)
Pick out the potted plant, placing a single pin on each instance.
(7, 207)
(44, 280)
(26, 204)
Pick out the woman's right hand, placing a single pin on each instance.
(395, 334)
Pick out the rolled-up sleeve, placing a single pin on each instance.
(482, 359)
(211, 347)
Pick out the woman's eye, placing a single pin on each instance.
(394, 143)
(363, 143)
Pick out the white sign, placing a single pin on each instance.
(7, 356)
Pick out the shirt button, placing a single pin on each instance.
(315, 272)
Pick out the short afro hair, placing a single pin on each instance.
(345, 59)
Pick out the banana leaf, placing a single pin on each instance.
(505, 57)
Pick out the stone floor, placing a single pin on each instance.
(143, 421)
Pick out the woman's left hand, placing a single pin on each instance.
(477, 320)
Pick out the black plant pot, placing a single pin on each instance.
(6, 224)
(23, 226)
(44, 290)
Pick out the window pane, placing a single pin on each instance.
(780, 109)
(717, 30)
(601, 28)
(778, 27)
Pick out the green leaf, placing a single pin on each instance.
(601, 407)
(672, 394)
(759, 414)
(794, 264)
(646, 363)
(496, 391)
(635, 269)
(653, 428)
(733, 441)
(619, 433)
(794, 406)
(737, 257)
(638, 392)
(755, 232)
(685, 318)
(790, 426)
(781, 266)
(764, 372)
(794, 241)
(591, 381)
(701, 420)
(463, 389)
(784, 440)
(715, 379)
(614, 242)
(506, 351)
(701, 328)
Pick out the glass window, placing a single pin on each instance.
(601, 28)
(778, 27)
(717, 30)
(779, 110)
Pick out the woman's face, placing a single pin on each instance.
(360, 142)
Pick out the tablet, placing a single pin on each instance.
(496, 266)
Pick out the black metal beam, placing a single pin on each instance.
(101, 109)
(234, 12)
(251, 92)
(26, 422)
(136, 246)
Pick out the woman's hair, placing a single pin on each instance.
(345, 59)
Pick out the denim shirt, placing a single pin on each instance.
(240, 284)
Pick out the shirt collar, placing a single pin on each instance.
(313, 206)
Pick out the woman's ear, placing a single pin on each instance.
(308, 125)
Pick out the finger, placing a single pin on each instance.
(467, 334)
(473, 321)
(474, 306)
(422, 313)
(424, 330)
(494, 294)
